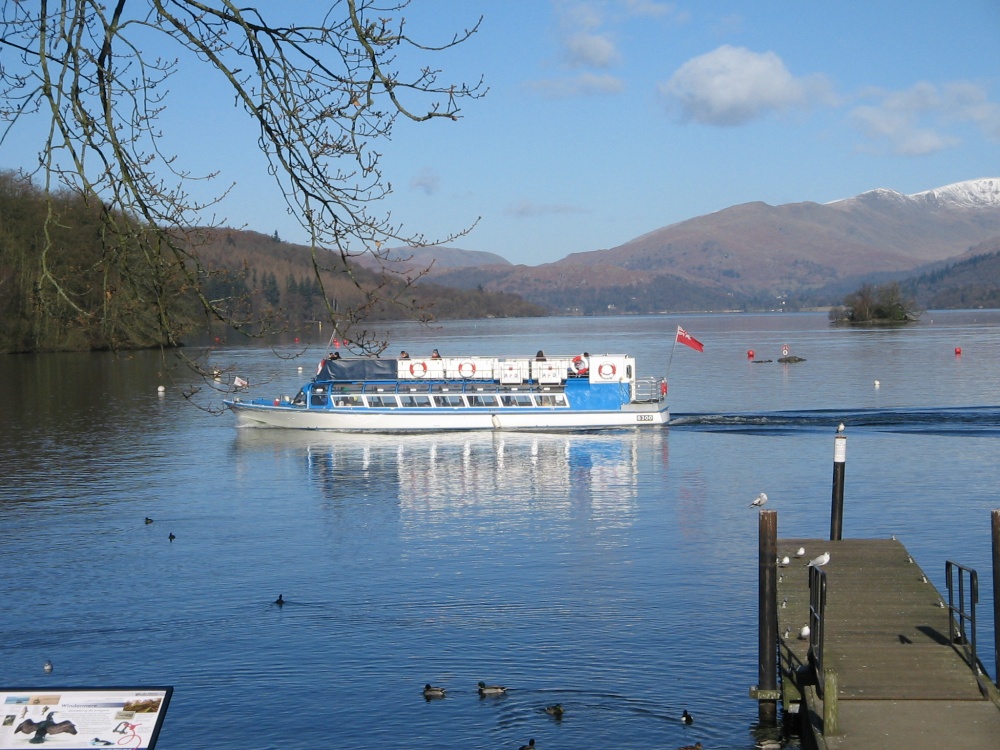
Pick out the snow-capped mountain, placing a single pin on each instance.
(982, 193)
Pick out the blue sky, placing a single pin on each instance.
(607, 119)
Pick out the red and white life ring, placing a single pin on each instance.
(579, 365)
(418, 369)
(606, 370)
(467, 369)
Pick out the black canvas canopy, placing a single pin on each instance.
(358, 369)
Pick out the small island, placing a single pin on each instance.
(876, 305)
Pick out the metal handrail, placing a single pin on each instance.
(957, 629)
(817, 619)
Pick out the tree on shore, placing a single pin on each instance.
(320, 95)
(871, 304)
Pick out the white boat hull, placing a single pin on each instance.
(398, 420)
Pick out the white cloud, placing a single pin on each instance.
(650, 8)
(529, 209)
(732, 85)
(427, 179)
(585, 84)
(918, 120)
(591, 50)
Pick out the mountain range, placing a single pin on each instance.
(749, 256)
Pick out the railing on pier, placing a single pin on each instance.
(968, 580)
(817, 618)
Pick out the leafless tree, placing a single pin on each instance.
(320, 94)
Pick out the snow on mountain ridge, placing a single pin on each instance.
(968, 194)
(982, 193)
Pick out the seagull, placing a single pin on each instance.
(433, 692)
(785, 560)
(804, 633)
(485, 689)
(788, 632)
(47, 666)
(784, 602)
(686, 717)
(801, 552)
(758, 501)
(840, 427)
(877, 384)
(818, 561)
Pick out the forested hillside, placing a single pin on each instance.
(62, 289)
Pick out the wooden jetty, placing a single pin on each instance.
(891, 674)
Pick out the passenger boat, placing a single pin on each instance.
(466, 393)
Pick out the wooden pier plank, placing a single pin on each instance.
(901, 683)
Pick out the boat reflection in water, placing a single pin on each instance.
(447, 471)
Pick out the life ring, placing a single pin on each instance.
(418, 366)
(606, 370)
(579, 365)
(467, 369)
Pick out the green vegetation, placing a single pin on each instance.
(255, 281)
(875, 305)
(115, 256)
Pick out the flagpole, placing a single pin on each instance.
(672, 349)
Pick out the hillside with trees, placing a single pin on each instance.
(255, 280)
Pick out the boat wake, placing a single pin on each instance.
(974, 421)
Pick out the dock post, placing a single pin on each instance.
(830, 709)
(996, 595)
(837, 507)
(767, 608)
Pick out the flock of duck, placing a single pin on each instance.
(432, 692)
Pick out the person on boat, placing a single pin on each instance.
(404, 355)
(540, 357)
(435, 354)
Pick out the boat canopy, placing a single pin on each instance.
(357, 369)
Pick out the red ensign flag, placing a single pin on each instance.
(688, 340)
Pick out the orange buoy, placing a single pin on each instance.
(958, 350)
(749, 353)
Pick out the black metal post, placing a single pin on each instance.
(837, 507)
(767, 607)
(996, 594)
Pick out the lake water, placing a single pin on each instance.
(614, 573)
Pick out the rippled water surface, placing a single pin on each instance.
(611, 572)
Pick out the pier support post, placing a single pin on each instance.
(837, 506)
(830, 710)
(996, 595)
(767, 608)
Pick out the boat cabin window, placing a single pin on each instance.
(554, 399)
(411, 401)
(344, 399)
(385, 402)
(454, 400)
(478, 399)
(516, 399)
(318, 397)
